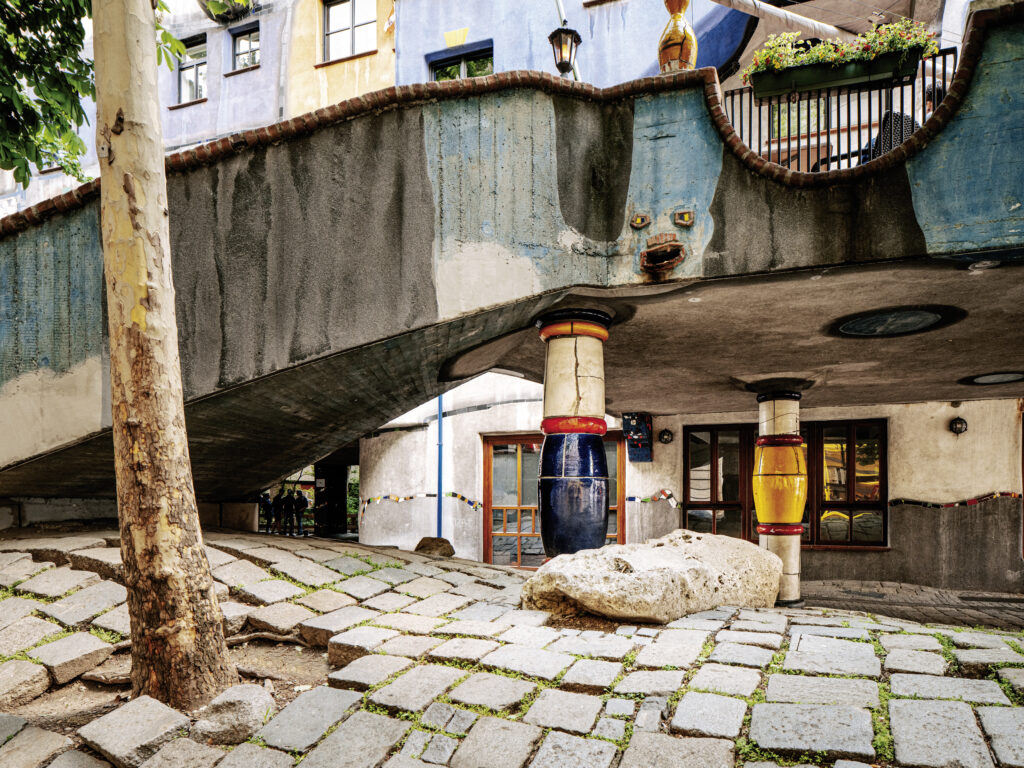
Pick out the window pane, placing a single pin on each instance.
(834, 526)
(366, 38)
(195, 53)
(611, 455)
(868, 463)
(242, 44)
(527, 521)
(868, 526)
(339, 45)
(339, 16)
(366, 10)
(729, 522)
(700, 466)
(533, 551)
(200, 80)
(834, 459)
(188, 84)
(530, 472)
(512, 520)
(503, 476)
(497, 520)
(613, 524)
(699, 520)
(503, 550)
(728, 465)
(480, 67)
(447, 72)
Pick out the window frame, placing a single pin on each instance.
(816, 503)
(351, 29)
(614, 437)
(246, 32)
(184, 66)
(460, 54)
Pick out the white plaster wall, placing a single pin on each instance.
(41, 410)
(35, 510)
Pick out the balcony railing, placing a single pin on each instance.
(832, 128)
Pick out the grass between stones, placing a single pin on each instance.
(106, 635)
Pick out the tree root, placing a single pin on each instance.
(271, 636)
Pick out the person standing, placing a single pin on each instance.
(289, 513)
(301, 503)
(277, 507)
(266, 510)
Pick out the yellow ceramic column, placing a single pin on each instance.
(780, 485)
(677, 49)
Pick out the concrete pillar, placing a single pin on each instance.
(573, 481)
(780, 485)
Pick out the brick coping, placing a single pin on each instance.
(420, 93)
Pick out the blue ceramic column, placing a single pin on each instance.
(573, 498)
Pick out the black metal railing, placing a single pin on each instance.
(831, 128)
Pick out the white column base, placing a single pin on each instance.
(788, 550)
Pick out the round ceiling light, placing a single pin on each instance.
(889, 322)
(997, 377)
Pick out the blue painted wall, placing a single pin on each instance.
(620, 38)
(968, 185)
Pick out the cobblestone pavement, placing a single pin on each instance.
(922, 604)
(432, 662)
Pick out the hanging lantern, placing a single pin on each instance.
(958, 426)
(564, 42)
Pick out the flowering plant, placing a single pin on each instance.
(785, 51)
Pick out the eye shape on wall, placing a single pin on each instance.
(639, 221)
(683, 218)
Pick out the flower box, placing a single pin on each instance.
(811, 77)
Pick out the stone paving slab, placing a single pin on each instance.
(844, 633)
(573, 712)
(85, 604)
(472, 628)
(349, 566)
(665, 653)
(235, 615)
(353, 643)
(743, 655)
(937, 734)
(934, 687)
(326, 600)
(910, 643)
(545, 664)
(392, 576)
(57, 548)
(132, 734)
(620, 707)
(362, 587)
(184, 753)
(317, 631)
(591, 676)
(6, 558)
(560, 750)
(797, 689)
(437, 605)
(496, 692)
(413, 646)
(530, 637)
(116, 620)
(362, 741)
(1014, 676)
(76, 759)
(21, 570)
(300, 725)
(978, 660)
(1005, 727)
(33, 748)
(424, 586)
(14, 608)
(482, 612)
(103, 561)
(70, 656)
(440, 749)
(463, 649)
(269, 592)
(265, 557)
(719, 678)
(389, 601)
(240, 573)
(368, 671)
(22, 681)
(825, 655)
(707, 714)
(407, 622)
(26, 633)
(762, 639)
(417, 688)
(253, 756)
(657, 750)
(217, 558)
(917, 662)
(974, 639)
(495, 743)
(280, 618)
(651, 683)
(836, 731)
(10, 725)
(609, 647)
(57, 582)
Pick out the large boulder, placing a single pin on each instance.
(659, 581)
(431, 545)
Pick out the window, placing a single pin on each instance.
(512, 529)
(350, 28)
(192, 71)
(246, 49)
(462, 67)
(846, 472)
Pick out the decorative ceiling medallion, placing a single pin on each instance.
(890, 322)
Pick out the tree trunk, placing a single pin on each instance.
(178, 651)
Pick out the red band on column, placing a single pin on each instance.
(780, 440)
(574, 328)
(557, 425)
(780, 530)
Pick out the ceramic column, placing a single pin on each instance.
(573, 497)
(780, 485)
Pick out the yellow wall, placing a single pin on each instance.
(310, 87)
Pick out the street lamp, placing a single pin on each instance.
(564, 42)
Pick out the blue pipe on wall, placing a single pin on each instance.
(440, 459)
